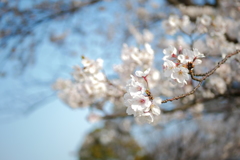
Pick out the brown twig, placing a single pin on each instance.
(199, 75)
(183, 95)
(192, 76)
(219, 63)
(206, 75)
(203, 100)
(182, 108)
(114, 116)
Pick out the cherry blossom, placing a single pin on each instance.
(169, 67)
(135, 87)
(142, 74)
(204, 20)
(176, 63)
(144, 118)
(139, 101)
(181, 74)
(170, 52)
(186, 56)
(171, 25)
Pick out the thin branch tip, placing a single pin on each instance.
(204, 77)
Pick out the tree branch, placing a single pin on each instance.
(206, 75)
(203, 100)
(192, 76)
(182, 108)
(191, 3)
(113, 116)
(189, 105)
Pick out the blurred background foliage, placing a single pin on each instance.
(110, 143)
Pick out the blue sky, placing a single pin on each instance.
(50, 130)
(40, 131)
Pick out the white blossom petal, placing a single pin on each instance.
(155, 110)
(142, 74)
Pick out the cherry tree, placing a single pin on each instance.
(196, 79)
(175, 94)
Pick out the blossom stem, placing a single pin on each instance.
(145, 79)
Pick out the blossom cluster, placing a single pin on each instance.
(174, 23)
(87, 86)
(132, 58)
(195, 27)
(177, 63)
(139, 100)
(203, 24)
(212, 33)
(90, 87)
